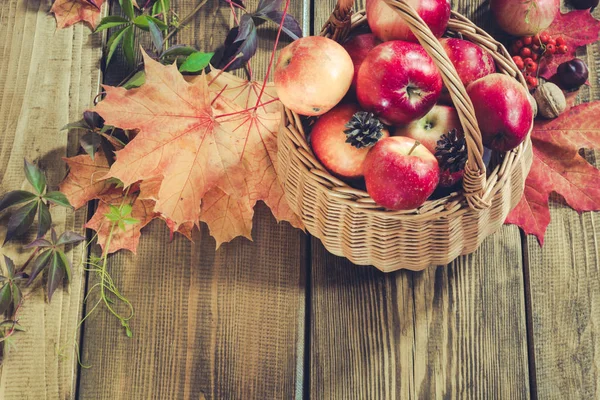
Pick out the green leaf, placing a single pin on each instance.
(69, 237)
(113, 43)
(110, 22)
(5, 298)
(125, 210)
(130, 221)
(10, 267)
(129, 45)
(39, 264)
(62, 258)
(136, 80)
(56, 275)
(196, 62)
(35, 176)
(157, 36)
(15, 197)
(16, 295)
(144, 21)
(158, 9)
(21, 220)
(39, 243)
(81, 124)
(178, 50)
(127, 6)
(90, 143)
(122, 225)
(58, 198)
(114, 214)
(44, 219)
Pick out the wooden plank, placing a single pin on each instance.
(564, 287)
(229, 323)
(456, 331)
(48, 77)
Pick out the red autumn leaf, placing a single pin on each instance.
(578, 28)
(558, 167)
(196, 145)
(69, 12)
(86, 179)
(129, 238)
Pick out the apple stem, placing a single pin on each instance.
(417, 144)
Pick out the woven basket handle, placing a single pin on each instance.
(474, 181)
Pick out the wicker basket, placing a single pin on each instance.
(348, 221)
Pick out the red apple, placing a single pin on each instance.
(502, 109)
(399, 82)
(329, 143)
(312, 75)
(357, 48)
(400, 173)
(387, 24)
(471, 61)
(524, 17)
(429, 129)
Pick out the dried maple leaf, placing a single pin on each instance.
(230, 215)
(69, 12)
(197, 145)
(558, 167)
(86, 179)
(578, 28)
(179, 140)
(128, 239)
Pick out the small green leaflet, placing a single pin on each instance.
(120, 216)
(196, 62)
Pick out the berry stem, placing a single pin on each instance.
(262, 89)
(417, 144)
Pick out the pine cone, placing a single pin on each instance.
(364, 130)
(451, 151)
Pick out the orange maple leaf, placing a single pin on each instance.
(230, 215)
(188, 150)
(558, 167)
(69, 12)
(86, 179)
(128, 239)
(178, 140)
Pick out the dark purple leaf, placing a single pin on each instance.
(10, 267)
(21, 276)
(93, 119)
(69, 237)
(44, 219)
(56, 275)
(64, 263)
(5, 297)
(15, 197)
(39, 264)
(246, 27)
(35, 176)
(90, 143)
(231, 49)
(266, 6)
(93, 3)
(238, 2)
(21, 220)
(291, 27)
(53, 236)
(81, 124)
(39, 243)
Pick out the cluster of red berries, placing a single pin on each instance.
(528, 50)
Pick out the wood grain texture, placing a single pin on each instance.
(456, 331)
(226, 324)
(564, 287)
(48, 77)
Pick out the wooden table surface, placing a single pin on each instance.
(279, 317)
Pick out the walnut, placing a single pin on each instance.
(550, 100)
